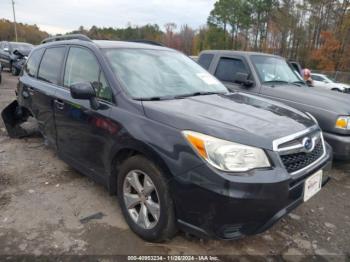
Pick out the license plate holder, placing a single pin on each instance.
(312, 185)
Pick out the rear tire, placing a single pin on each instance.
(145, 200)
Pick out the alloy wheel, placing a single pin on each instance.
(141, 199)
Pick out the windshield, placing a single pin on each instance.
(21, 46)
(328, 79)
(274, 69)
(157, 73)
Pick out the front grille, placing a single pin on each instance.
(297, 161)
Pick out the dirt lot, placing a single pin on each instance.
(42, 201)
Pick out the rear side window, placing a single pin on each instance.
(32, 65)
(82, 66)
(205, 60)
(228, 68)
(50, 67)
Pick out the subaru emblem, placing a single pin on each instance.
(308, 144)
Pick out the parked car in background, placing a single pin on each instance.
(321, 80)
(7, 55)
(180, 150)
(271, 77)
(19, 62)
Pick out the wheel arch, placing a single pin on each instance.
(131, 148)
(336, 89)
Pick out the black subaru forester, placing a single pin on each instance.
(179, 149)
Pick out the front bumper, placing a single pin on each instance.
(227, 207)
(340, 145)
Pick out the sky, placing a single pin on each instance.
(62, 16)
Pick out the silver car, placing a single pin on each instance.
(321, 80)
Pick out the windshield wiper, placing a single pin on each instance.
(160, 98)
(298, 82)
(154, 98)
(197, 94)
(276, 81)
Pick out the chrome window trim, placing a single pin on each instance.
(283, 140)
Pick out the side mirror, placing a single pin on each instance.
(309, 83)
(7, 50)
(243, 78)
(85, 91)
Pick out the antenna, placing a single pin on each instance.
(14, 18)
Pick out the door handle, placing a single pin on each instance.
(30, 90)
(59, 104)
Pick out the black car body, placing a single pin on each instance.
(332, 110)
(8, 56)
(175, 141)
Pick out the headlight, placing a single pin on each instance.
(343, 122)
(226, 155)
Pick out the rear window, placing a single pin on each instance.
(50, 67)
(32, 65)
(205, 60)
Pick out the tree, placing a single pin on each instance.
(26, 33)
(186, 37)
(326, 56)
(169, 39)
(220, 16)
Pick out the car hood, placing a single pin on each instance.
(236, 117)
(340, 85)
(317, 98)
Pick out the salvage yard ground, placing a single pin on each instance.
(43, 202)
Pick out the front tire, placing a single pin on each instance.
(145, 200)
(336, 90)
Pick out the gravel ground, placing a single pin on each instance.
(42, 201)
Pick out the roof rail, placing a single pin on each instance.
(66, 37)
(150, 42)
